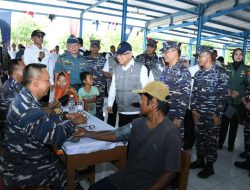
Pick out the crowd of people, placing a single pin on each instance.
(162, 106)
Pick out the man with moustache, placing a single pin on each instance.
(27, 159)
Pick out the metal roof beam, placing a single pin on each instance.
(182, 13)
(210, 3)
(192, 11)
(223, 31)
(172, 27)
(238, 18)
(94, 5)
(227, 25)
(87, 10)
(227, 11)
(188, 2)
(116, 9)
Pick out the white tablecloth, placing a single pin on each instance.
(88, 145)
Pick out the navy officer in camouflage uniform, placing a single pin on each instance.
(27, 159)
(177, 77)
(10, 88)
(151, 60)
(96, 63)
(209, 95)
(72, 62)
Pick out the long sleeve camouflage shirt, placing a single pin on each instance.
(8, 91)
(210, 91)
(29, 130)
(178, 79)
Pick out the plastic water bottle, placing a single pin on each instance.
(71, 104)
(80, 106)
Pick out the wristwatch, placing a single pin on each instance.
(39, 59)
(64, 115)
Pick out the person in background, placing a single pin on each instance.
(10, 88)
(127, 76)
(107, 72)
(72, 62)
(111, 53)
(189, 125)
(53, 58)
(237, 72)
(13, 51)
(221, 60)
(155, 164)
(177, 77)
(96, 63)
(150, 59)
(36, 53)
(20, 52)
(246, 122)
(209, 95)
(81, 49)
(62, 87)
(88, 93)
(27, 159)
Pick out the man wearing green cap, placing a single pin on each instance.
(154, 155)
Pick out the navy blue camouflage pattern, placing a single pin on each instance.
(178, 79)
(8, 91)
(209, 96)
(27, 159)
(210, 91)
(152, 64)
(96, 65)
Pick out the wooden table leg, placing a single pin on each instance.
(70, 174)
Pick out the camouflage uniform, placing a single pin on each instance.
(178, 79)
(27, 159)
(96, 65)
(151, 63)
(8, 91)
(209, 95)
(74, 66)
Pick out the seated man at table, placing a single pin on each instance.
(27, 159)
(154, 155)
(10, 88)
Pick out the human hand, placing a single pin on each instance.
(110, 110)
(79, 119)
(48, 110)
(41, 54)
(73, 115)
(196, 117)
(217, 120)
(54, 104)
(177, 122)
(234, 94)
(80, 132)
